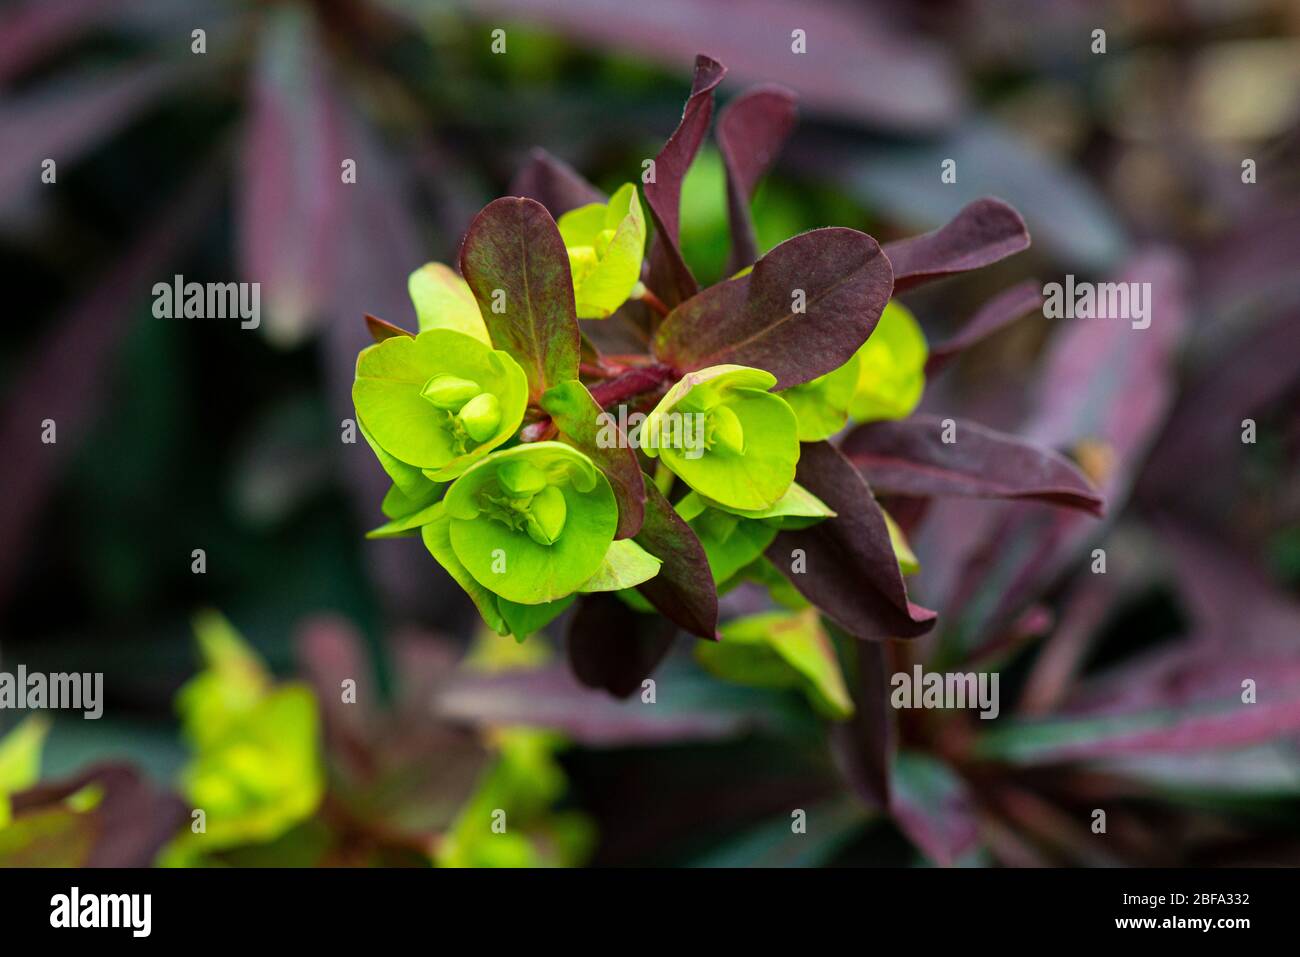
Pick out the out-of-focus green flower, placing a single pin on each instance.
(256, 767)
(433, 405)
(605, 242)
(20, 760)
(726, 436)
(891, 368)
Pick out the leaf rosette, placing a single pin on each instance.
(720, 431)
(605, 243)
(436, 403)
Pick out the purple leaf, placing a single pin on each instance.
(863, 747)
(578, 418)
(292, 195)
(852, 574)
(751, 131)
(670, 277)
(982, 233)
(683, 590)
(514, 261)
(859, 64)
(381, 329)
(689, 706)
(909, 457)
(1002, 310)
(933, 806)
(837, 275)
(30, 30)
(65, 119)
(554, 184)
(127, 828)
(614, 648)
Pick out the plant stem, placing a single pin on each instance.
(620, 388)
(651, 300)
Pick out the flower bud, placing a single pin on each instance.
(521, 478)
(480, 416)
(725, 429)
(449, 392)
(546, 515)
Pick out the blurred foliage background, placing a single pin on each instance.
(175, 435)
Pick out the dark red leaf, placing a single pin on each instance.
(851, 572)
(553, 183)
(751, 320)
(381, 329)
(683, 590)
(1002, 310)
(751, 131)
(513, 246)
(578, 417)
(982, 233)
(864, 746)
(670, 277)
(909, 457)
(614, 648)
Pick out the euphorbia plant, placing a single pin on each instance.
(502, 424)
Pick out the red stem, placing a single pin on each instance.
(622, 387)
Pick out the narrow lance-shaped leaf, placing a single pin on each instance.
(846, 566)
(863, 747)
(984, 232)
(751, 131)
(909, 457)
(553, 183)
(683, 590)
(514, 261)
(802, 312)
(613, 647)
(1000, 311)
(582, 421)
(670, 277)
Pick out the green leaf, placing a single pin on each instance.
(443, 300)
(407, 524)
(626, 565)
(605, 243)
(907, 560)
(524, 620)
(437, 539)
(796, 503)
(495, 531)
(891, 368)
(822, 405)
(781, 650)
(397, 504)
(515, 262)
(401, 397)
(721, 433)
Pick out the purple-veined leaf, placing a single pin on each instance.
(837, 276)
(863, 746)
(554, 184)
(984, 232)
(1000, 311)
(66, 118)
(909, 457)
(614, 648)
(670, 277)
(127, 828)
(515, 263)
(689, 706)
(581, 421)
(859, 65)
(751, 131)
(292, 193)
(683, 590)
(933, 807)
(851, 573)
